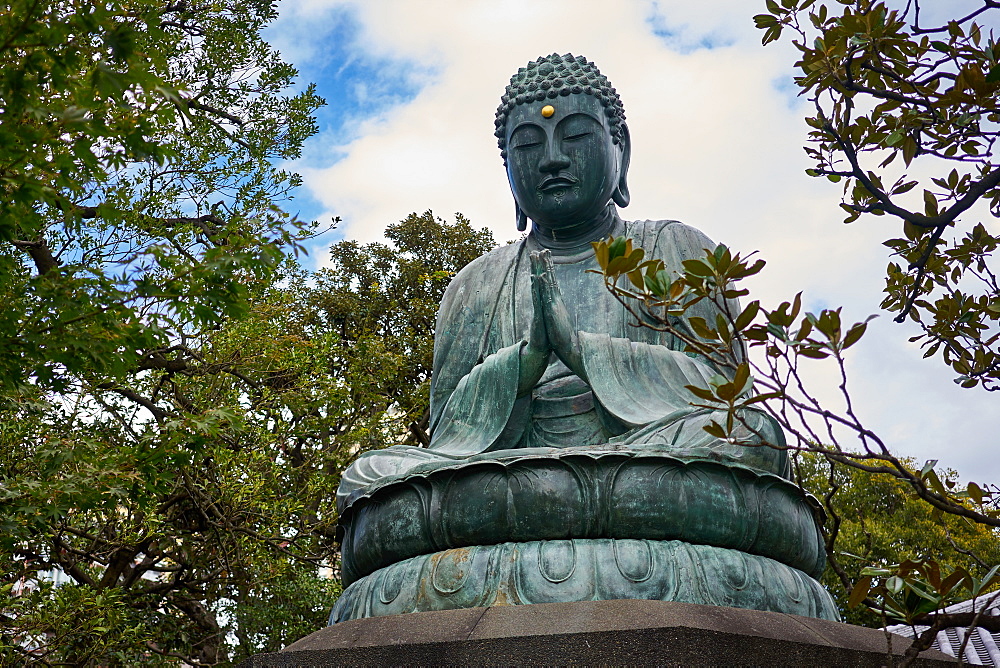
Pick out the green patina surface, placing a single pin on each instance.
(577, 494)
(584, 570)
(555, 418)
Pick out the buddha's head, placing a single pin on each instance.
(561, 131)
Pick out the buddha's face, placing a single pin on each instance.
(563, 167)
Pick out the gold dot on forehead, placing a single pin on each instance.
(548, 110)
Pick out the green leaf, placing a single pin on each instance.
(702, 393)
(700, 327)
(632, 260)
(742, 379)
(935, 483)
(744, 319)
(951, 581)
(762, 398)
(975, 493)
(698, 268)
(988, 581)
(727, 391)
(619, 247)
(909, 150)
(930, 203)
(764, 20)
(854, 334)
(74, 114)
(860, 591)
(715, 429)
(601, 251)
(615, 266)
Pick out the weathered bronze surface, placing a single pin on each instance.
(595, 569)
(576, 494)
(555, 418)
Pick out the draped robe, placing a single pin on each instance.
(635, 398)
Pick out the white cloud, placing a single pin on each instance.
(717, 144)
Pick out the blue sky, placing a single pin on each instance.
(717, 131)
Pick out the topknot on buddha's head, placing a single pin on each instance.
(553, 76)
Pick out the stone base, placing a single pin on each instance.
(595, 632)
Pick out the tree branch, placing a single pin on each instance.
(972, 195)
(157, 412)
(192, 104)
(987, 5)
(40, 253)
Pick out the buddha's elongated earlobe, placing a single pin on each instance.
(522, 219)
(620, 196)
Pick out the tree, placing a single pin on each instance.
(888, 88)
(136, 165)
(342, 359)
(906, 117)
(381, 302)
(167, 371)
(216, 560)
(878, 521)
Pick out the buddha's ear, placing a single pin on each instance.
(620, 195)
(522, 219)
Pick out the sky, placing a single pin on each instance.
(717, 134)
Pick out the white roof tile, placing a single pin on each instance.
(983, 648)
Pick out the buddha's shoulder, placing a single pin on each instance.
(487, 268)
(498, 259)
(665, 231)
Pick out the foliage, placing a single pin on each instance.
(172, 515)
(136, 149)
(876, 521)
(167, 372)
(788, 338)
(906, 116)
(774, 382)
(918, 593)
(912, 591)
(381, 303)
(88, 625)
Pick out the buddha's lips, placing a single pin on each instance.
(554, 182)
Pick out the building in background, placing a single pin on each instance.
(983, 648)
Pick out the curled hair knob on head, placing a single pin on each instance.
(554, 75)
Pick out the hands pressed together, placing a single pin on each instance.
(551, 330)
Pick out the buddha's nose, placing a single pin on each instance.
(554, 159)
